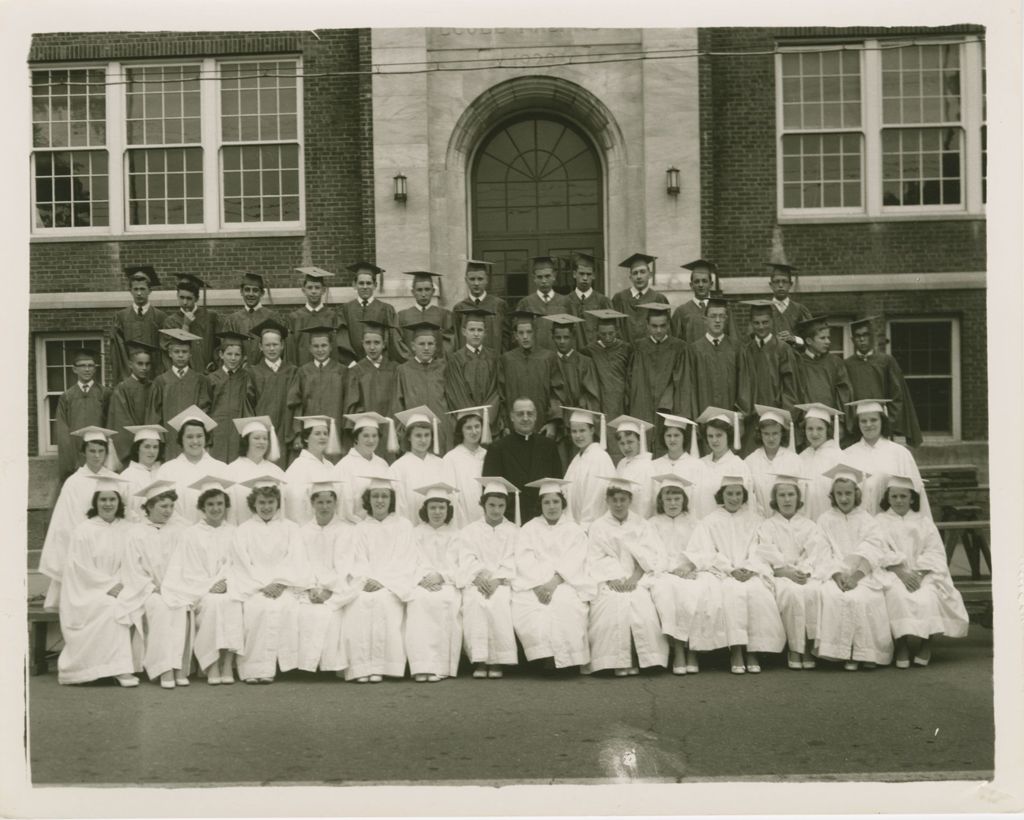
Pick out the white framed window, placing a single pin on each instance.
(200, 146)
(842, 340)
(881, 129)
(54, 352)
(927, 350)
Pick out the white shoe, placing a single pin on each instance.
(376, 678)
(358, 680)
(127, 681)
(434, 678)
(679, 670)
(420, 678)
(181, 681)
(494, 673)
(851, 666)
(213, 680)
(167, 684)
(621, 673)
(479, 673)
(632, 671)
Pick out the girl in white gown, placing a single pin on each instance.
(588, 471)
(821, 430)
(677, 460)
(720, 428)
(773, 456)
(197, 577)
(433, 623)
(486, 567)
(551, 586)
(726, 542)
(309, 466)
(362, 460)
(193, 463)
(919, 597)
(96, 610)
(259, 452)
(464, 463)
(623, 555)
(151, 545)
(145, 457)
(636, 463)
(419, 467)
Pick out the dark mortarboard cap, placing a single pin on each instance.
(318, 329)
(379, 327)
(759, 305)
(148, 271)
(85, 353)
(585, 258)
(473, 312)
(811, 325)
(313, 272)
(135, 345)
(606, 315)
(867, 320)
(537, 262)
(701, 264)
(563, 319)
(719, 301)
(633, 259)
(781, 267)
(655, 308)
(250, 278)
(421, 274)
(232, 336)
(524, 313)
(270, 324)
(420, 327)
(190, 282)
(362, 265)
(478, 264)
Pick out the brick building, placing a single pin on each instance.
(858, 154)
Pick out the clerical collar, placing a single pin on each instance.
(316, 309)
(781, 304)
(275, 365)
(523, 436)
(637, 293)
(584, 295)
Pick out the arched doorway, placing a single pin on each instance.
(536, 188)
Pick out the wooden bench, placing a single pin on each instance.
(39, 621)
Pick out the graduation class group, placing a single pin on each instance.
(570, 484)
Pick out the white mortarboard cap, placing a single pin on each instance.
(180, 335)
(900, 482)
(253, 424)
(631, 424)
(869, 406)
(549, 485)
(94, 433)
(155, 488)
(210, 482)
(681, 423)
(109, 482)
(380, 482)
(847, 472)
(620, 484)
(421, 415)
(375, 420)
(672, 480)
(314, 272)
(324, 483)
(731, 481)
(484, 411)
(439, 491)
(779, 416)
(578, 415)
(822, 412)
(333, 442)
(192, 413)
(146, 432)
(786, 478)
(497, 484)
(262, 481)
(730, 417)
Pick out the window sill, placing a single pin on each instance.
(161, 237)
(822, 219)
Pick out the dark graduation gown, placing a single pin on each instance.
(442, 317)
(232, 396)
(820, 379)
(296, 346)
(580, 385)
(878, 376)
(278, 396)
(635, 325)
(688, 324)
(206, 324)
(542, 327)
(243, 321)
(765, 377)
(714, 373)
(323, 391)
(421, 383)
(790, 317)
(520, 460)
(129, 401)
(372, 390)
(660, 378)
(497, 333)
(612, 366)
(587, 332)
(351, 316)
(472, 381)
(169, 396)
(129, 327)
(76, 410)
(534, 375)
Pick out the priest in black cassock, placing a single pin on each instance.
(277, 384)
(523, 456)
(194, 318)
(877, 375)
(498, 335)
(532, 372)
(314, 313)
(139, 322)
(373, 380)
(628, 301)
(250, 314)
(765, 372)
(472, 374)
(129, 400)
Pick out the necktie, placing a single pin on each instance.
(366, 303)
(715, 342)
(85, 389)
(760, 344)
(477, 302)
(251, 311)
(180, 373)
(138, 310)
(703, 304)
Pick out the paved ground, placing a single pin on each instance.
(922, 723)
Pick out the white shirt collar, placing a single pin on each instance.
(546, 298)
(583, 295)
(86, 385)
(181, 371)
(766, 339)
(712, 339)
(275, 366)
(637, 294)
(566, 355)
(781, 304)
(316, 309)
(144, 309)
(472, 349)
(481, 297)
(697, 300)
(369, 301)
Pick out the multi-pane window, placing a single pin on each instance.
(54, 358)
(927, 351)
(199, 146)
(69, 140)
(881, 127)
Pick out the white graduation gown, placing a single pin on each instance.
(138, 477)
(183, 473)
(413, 472)
(639, 468)
(199, 562)
(812, 464)
(96, 626)
(621, 619)
(350, 470)
(936, 607)
(690, 609)
(302, 472)
(881, 460)
(433, 622)
(686, 466)
(586, 493)
(796, 542)
(69, 511)
(462, 467)
(150, 549)
(725, 542)
(854, 625)
(328, 552)
(709, 480)
(263, 553)
(761, 468)
(487, 631)
(372, 625)
(557, 629)
(244, 469)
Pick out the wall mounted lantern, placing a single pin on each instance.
(672, 181)
(401, 188)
